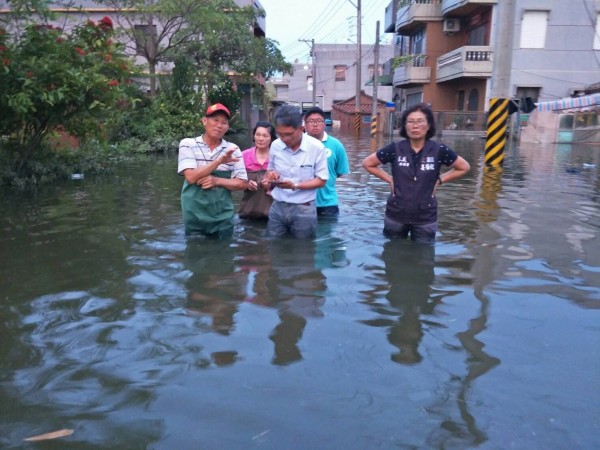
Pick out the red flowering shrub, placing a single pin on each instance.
(46, 84)
(105, 22)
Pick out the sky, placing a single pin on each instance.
(325, 21)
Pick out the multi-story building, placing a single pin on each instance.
(447, 51)
(336, 76)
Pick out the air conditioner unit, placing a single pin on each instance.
(451, 25)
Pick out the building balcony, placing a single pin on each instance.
(389, 23)
(412, 13)
(412, 72)
(465, 62)
(463, 7)
(386, 77)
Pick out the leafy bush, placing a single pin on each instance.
(53, 80)
(169, 117)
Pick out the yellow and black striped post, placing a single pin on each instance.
(373, 126)
(373, 133)
(357, 122)
(495, 138)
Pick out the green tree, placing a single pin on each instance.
(229, 49)
(154, 29)
(52, 81)
(216, 34)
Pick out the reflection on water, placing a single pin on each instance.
(114, 325)
(409, 274)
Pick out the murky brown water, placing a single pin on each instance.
(115, 327)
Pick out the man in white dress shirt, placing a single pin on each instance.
(297, 168)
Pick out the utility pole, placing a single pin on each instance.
(357, 115)
(314, 72)
(498, 110)
(313, 69)
(503, 49)
(375, 83)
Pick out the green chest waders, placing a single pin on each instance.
(207, 211)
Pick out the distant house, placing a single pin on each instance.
(336, 77)
(344, 114)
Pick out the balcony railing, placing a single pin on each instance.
(458, 7)
(412, 12)
(469, 61)
(389, 23)
(412, 72)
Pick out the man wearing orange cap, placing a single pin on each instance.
(212, 168)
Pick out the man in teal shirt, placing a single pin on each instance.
(337, 162)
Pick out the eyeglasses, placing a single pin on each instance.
(315, 121)
(418, 122)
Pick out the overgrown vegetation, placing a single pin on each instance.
(68, 103)
(57, 83)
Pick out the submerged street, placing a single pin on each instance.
(117, 328)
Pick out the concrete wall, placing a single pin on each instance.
(567, 62)
(330, 91)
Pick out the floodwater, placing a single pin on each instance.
(115, 328)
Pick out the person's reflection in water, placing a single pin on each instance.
(215, 289)
(409, 270)
(296, 288)
(330, 250)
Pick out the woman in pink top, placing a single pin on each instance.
(256, 202)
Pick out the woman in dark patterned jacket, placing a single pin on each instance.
(415, 176)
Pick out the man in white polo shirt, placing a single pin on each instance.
(297, 168)
(212, 168)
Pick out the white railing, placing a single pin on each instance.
(416, 10)
(469, 61)
(412, 71)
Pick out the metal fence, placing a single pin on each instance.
(454, 122)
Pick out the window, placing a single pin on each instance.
(145, 36)
(461, 100)
(473, 101)
(340, 73)
(418, 42)
(413, 99)
(533, 29)
(533, 92)
(372, 71)
(477, 36)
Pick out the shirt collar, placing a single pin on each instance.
(222, 144)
